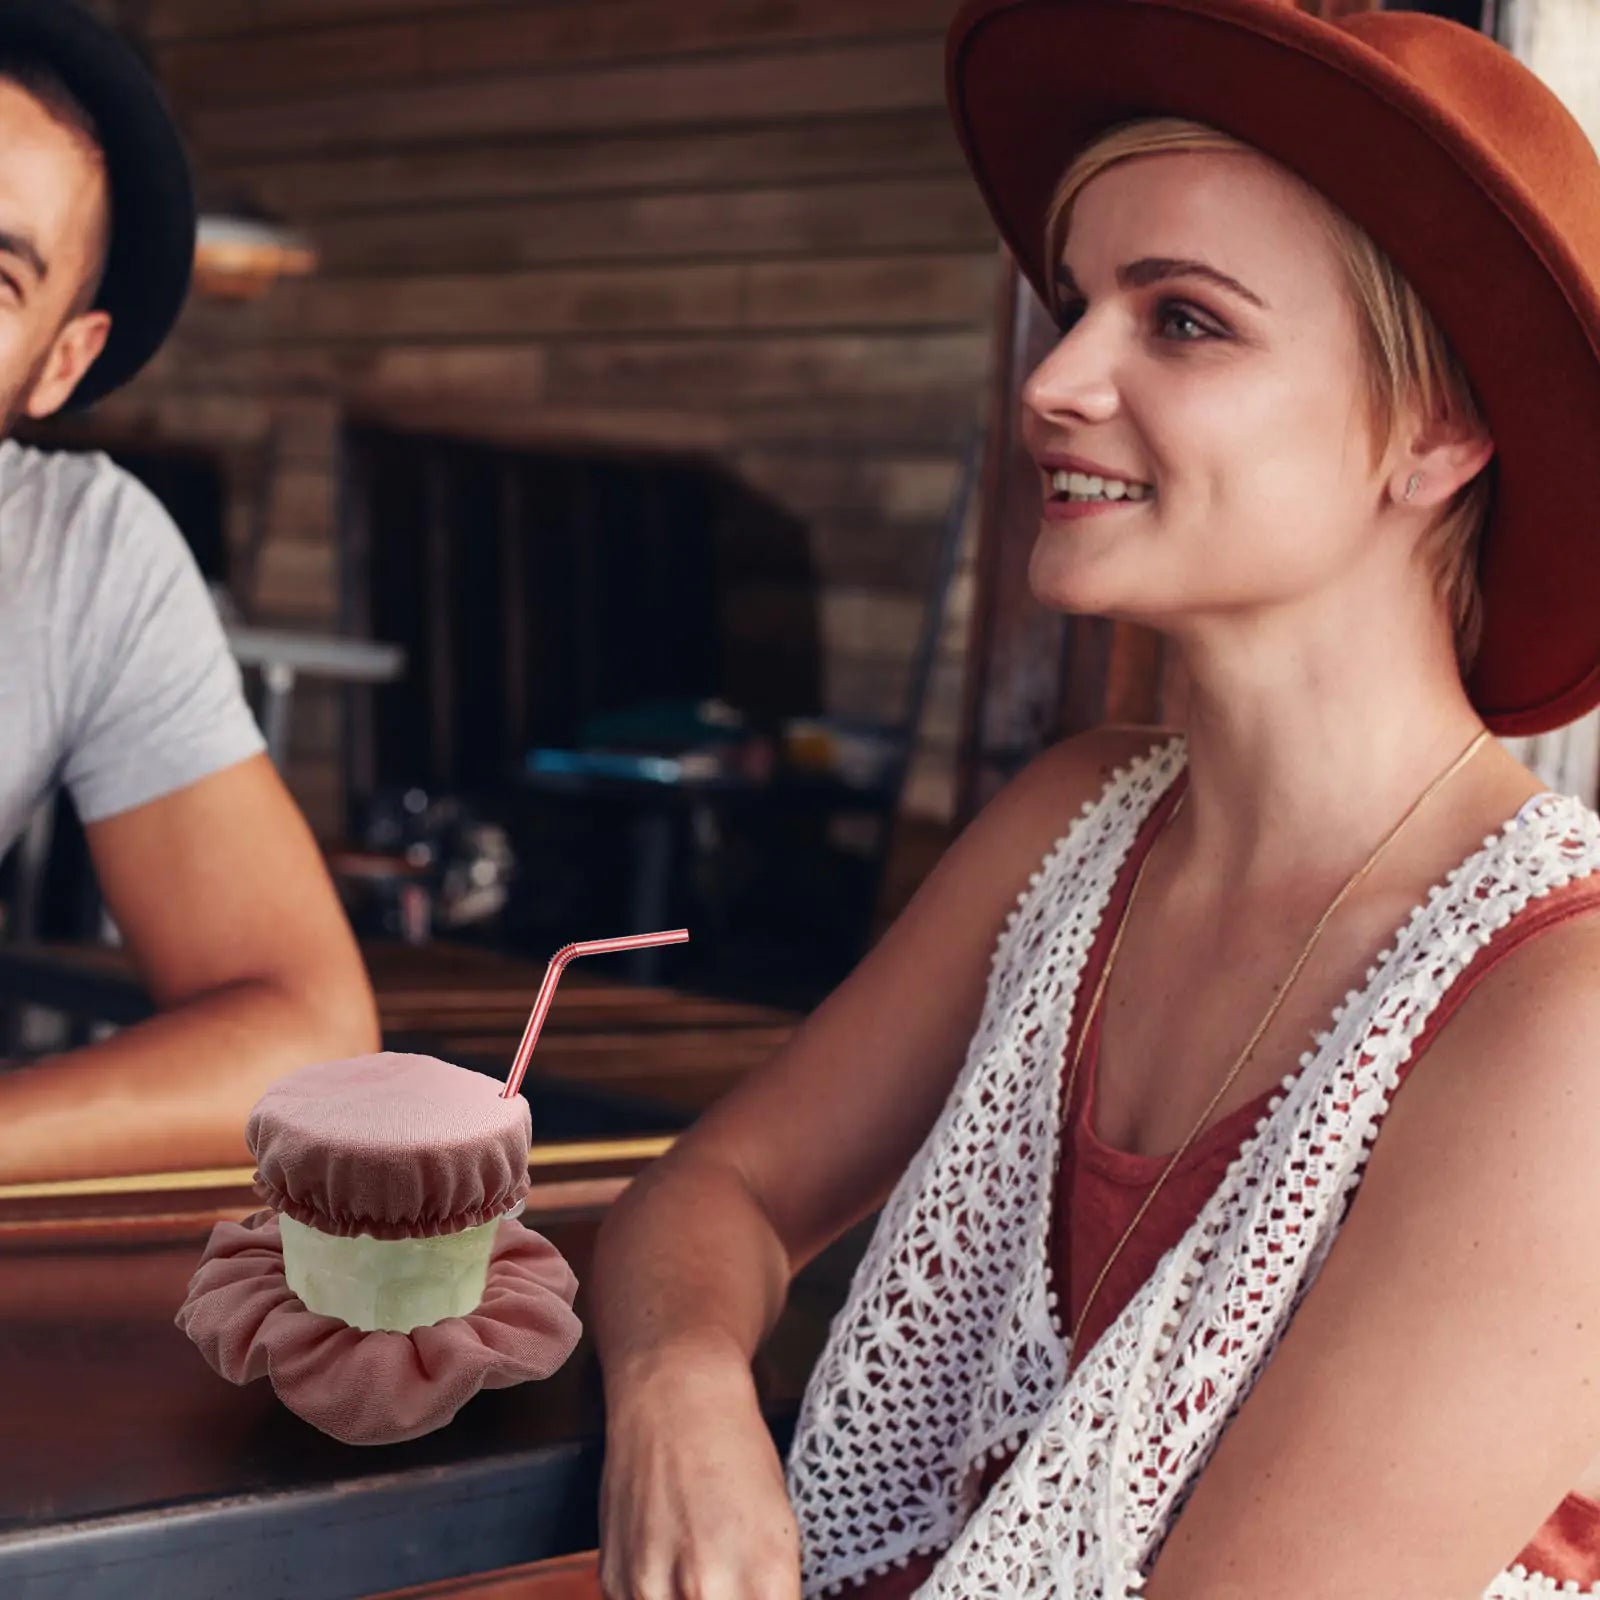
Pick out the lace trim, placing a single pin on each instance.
(1518, 1583)
(888, 1448)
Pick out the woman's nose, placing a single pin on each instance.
(1075, 380)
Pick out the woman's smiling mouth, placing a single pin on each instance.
(1087, 488)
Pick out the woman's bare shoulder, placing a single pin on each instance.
(1544, 993)
(1077, 771)
(1110, 746)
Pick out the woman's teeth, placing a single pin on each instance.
(1081, 486)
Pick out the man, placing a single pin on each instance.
(115, 678)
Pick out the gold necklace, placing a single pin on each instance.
(1261, 1028)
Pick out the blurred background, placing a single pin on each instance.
(616, 362)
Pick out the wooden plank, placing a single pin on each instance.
(504, 398)
(700, 373)
(291, 63)
(866, 689)
(139, 413)
(620, 426)
(876, 488)
(317, 731)
(564, 1578)
(439, 642)
(514, 563)
(891, 144)
(625, 1056)
(302, 504)
(302, 429)
(487, 305)
(853, 551)
(883, 624)
(688, 1070)
(876, 216)
(456, 979)
(941, 711)
(873, 690)
(924, 291)
(873, 553)
(183, 367)
(656, 1014)
(914, 291)
(930, 791)
(768, 368)
(940, 418)
(935, 418)
(772, 86)
(318, 787)
(516, 372)
(183, 19)
(297, 578)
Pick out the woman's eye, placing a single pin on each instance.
(1174, 321)
(1189, 328)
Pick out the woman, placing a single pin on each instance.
(1324, 412)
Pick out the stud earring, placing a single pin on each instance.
(1413, 483)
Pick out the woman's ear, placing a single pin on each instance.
(1443, 456)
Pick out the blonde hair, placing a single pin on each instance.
(1410, 365)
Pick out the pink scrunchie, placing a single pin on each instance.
(377, 1388)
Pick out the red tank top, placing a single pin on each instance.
(1099, 1189)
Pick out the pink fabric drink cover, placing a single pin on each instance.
(395, 1147)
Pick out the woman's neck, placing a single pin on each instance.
(1294, 769)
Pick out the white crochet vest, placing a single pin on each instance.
(948, 1346)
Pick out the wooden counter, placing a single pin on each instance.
(660, 1055)
(131, 1471)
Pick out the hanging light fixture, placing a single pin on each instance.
(240, 257)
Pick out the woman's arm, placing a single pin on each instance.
(694, 1261)
(702, 1246)
(1439, 1390)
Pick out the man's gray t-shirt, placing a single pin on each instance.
(115, 676)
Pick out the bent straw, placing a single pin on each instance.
(552, 976)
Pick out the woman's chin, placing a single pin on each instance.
(1074, 586)
(1129, 581)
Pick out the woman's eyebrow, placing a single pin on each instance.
(1155, 269)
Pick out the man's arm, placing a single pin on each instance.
(228, 912)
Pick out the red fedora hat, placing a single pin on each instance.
(1451, 154)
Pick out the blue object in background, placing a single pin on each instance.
(606, 764)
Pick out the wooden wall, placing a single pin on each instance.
(738, 228)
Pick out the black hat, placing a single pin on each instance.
(151, 252)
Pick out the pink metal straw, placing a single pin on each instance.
(552, 976)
